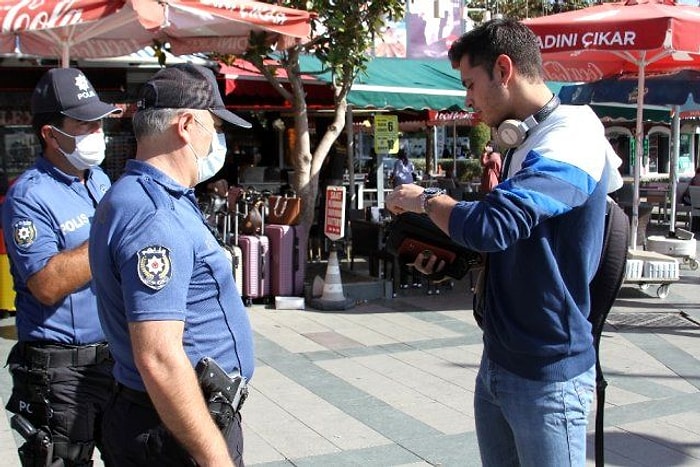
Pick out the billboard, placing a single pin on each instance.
(427, 31)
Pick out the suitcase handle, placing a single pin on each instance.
(295, 254)
(261, 257)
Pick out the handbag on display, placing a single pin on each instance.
(234, 195)
(284, 210)
(411, 235)
(253, 221)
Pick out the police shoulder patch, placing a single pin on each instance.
(154, 266)
(24, 233)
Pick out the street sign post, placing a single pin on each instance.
(386, 134)
(335, 213)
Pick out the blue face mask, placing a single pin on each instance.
(209, 165)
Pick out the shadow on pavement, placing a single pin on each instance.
(675, 453)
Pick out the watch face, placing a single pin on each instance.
(431, 191)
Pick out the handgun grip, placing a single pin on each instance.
(213, 379)
(22, 426)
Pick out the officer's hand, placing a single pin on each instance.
(428, 263)
(405, 198)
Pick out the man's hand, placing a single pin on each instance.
(405, 198)
(427, 263)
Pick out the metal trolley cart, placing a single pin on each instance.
(682, 246)
(645, 268)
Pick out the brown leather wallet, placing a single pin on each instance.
(411, 248)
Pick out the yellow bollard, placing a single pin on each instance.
(7, 292)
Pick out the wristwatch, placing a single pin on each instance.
(430, 193)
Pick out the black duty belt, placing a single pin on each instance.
(42, 355)
(132, 395)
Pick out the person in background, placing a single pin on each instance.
(166, 293)
(403, 169)
(61, 367)
(536, 379)
(491, 168)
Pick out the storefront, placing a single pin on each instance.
(18, 144)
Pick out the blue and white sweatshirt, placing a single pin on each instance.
(543, 229)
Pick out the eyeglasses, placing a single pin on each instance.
(216, 130)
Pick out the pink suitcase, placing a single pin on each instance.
(287, 261)
(256, 267)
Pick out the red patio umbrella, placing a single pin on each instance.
(634, 36)
(222, 26)
(75, 28)
(109, 28)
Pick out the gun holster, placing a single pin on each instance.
(37, 451)
(224, 393)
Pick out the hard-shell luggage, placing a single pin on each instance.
(256, 263)
(256, 267)
(222, 231)
(231, 239)
(287, 261)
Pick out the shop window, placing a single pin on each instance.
(18, 149)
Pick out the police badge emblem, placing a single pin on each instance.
(24, 233)
(154, 266)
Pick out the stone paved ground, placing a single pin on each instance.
(390, 382)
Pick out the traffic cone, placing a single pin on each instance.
(333, 285)
(332, 297)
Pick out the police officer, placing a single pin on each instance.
(61, 368)
(165, 288)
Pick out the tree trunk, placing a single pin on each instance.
(307, 166)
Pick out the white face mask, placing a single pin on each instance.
(89, 150)
(208, 166)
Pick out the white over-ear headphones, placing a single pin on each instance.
(511, 133)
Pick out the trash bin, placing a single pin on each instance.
(7, 292)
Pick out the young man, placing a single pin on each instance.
(61, 367)
(167, 298)
(542, 228)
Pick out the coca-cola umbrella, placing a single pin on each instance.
(633, 36)
(63, 28)
(109, 28)
(668, 89)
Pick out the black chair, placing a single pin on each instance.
(367, 239)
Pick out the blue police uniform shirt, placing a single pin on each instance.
(46, 212)
(154, 259)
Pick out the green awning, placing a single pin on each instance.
(401, 83)
(420, 84)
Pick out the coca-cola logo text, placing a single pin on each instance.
(258, 14)
(583, 71)
(454, 116)
(105, 48)
(444, 118)
(221, 44)
(33, 15)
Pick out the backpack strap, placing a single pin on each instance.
(604, 289)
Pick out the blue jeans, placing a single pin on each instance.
(522, 422)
